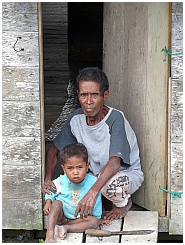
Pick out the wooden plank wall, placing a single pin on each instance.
(55, 58)
(176, 122)
(134, 34)
(21, 123)
(69, 43)
(72, 40)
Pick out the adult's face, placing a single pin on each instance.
(90, 98)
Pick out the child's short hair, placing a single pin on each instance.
(75, 149)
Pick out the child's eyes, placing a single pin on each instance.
(70, 168)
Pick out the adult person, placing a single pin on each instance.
(111, 144)
(71, 187)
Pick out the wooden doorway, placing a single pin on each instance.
(72, 40)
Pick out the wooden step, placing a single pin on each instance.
(141, 220)
(134, 220)
(71, 237)
(115, 226)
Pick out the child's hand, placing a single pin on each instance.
(47, 207)
(104, 222)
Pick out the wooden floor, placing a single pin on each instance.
(134, 220)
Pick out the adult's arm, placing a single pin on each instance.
(85, 206)
(51, 160)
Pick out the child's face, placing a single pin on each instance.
(75, 169)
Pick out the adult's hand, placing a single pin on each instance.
(86, 204)
(48, 187)
(51, 159)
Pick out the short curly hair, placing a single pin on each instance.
(75, 149)
(93, 74)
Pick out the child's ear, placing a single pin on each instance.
(88, 166)
(62, 166)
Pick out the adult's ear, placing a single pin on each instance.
(106, 95)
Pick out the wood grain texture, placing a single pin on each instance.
(116, 225)
(20, 84)
(133, 62)
(19, 17)
(55, 59)
(21, 151)
(11, 54)
(22, 182)
(21, 119)
(176, 122)
(22, 213)
(141, 220)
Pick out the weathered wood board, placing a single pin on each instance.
(18, 16)
(21, 118)
(115, 225)
(175, 178)
(55, 59)
(134, 34)
(15, 151)
(81, 237)
(70, 238)
(134, 220)
(20, 83)
(15, 41)
(21, 213)
(141, 220)
(22, 182)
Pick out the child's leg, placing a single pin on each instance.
(54, 216)
(78, 225)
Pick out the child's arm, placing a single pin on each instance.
(47, 206)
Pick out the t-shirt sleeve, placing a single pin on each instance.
(119, 144)
(53, 195)
(65, 137)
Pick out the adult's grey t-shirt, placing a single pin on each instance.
(112, 136)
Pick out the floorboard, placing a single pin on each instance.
(115, 226)
(71, 237)
(141, 220)
(134, 220)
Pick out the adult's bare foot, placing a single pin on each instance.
(118, 212)
(49, 237)
(62, 232)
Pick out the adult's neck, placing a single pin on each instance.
(93, 120)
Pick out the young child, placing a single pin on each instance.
(71, 188)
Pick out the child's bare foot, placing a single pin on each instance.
(62, 232)
(49, 237)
